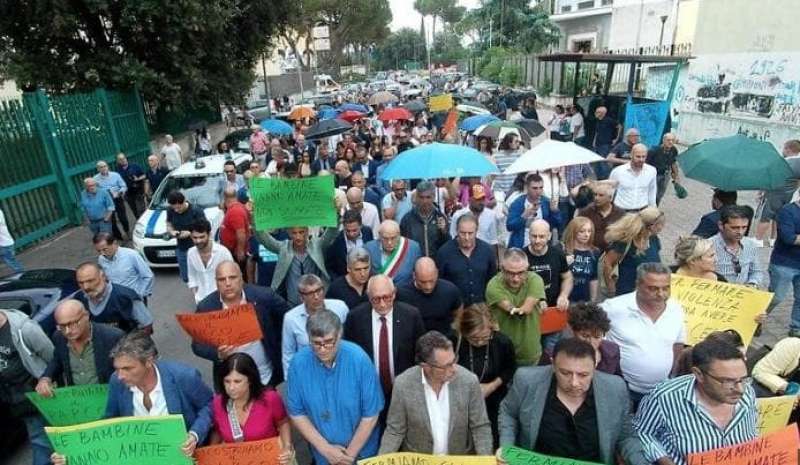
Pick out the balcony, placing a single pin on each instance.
(572, 9)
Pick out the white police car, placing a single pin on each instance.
(200, 182)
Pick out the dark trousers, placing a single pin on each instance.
(135, 200)
(119, 218)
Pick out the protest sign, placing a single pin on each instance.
(235, 326)
(279, 203)
(552, 320)
(442, 102)
(263, 452)
(519, 456)
(774, 413)
(72, 405)
(451, 123)
(409, 458)
(778, 448)
(714, 306)
(122, 441)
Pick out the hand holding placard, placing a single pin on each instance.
(778, 448)
(264, 452)
(72, 405)
(234, 326)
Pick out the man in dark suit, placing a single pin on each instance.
(386, 330)
(353, 234)
(570, 410)
(270, 309)
(363, 164)
(323, 161)
(371, 193)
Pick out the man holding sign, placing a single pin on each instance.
(713, 407)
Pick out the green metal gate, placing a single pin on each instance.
(48, 144)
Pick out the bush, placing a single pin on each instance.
(545, 88)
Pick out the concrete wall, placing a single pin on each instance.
(597, 27)
(638, 24)
(728, 26)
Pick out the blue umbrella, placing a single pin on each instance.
(474, 122)
(437, 160)
(327, 113)
(354, 107)
(276, 126)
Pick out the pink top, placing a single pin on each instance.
(265, 415)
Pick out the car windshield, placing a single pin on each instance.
(201, 191)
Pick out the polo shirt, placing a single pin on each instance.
(601, 222)
(183, 222)
(112, 182)
(635, 190)
(130, 171)
(646, 355)
(437, 308)
(236, 218)
(470, 274)
(523, 330)
(95, 206)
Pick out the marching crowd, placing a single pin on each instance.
(417, 323)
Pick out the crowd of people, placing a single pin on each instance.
(414, 325)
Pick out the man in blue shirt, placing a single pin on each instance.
(154, 175)
(467, 261)
(113, 183)
(97, 206)
(784, 263)
(134, 178)
(123, 266)
(333, 396)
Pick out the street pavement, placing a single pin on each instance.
(73, 246)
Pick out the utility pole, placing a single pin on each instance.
(661, 36)
(490, 32)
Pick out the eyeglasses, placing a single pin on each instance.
(443, 367)
(311, 292)
(328, 344)
(381, 298)
(730, 383)
(70, 325)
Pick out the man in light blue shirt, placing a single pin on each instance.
(312, 293)
(123, 266)
(97, 206)
(396, 203)
(115, 185)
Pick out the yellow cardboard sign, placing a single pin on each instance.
(774, 413)
(715, 306)
(442, 102)
(408, 458)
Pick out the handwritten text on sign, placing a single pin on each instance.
(73, 404)
(774, 413)
(518, 456)
(408, 458)
(714, 306)
(263, 452)
(122, 441)
(778, 448)
(234, 326)
(280, 203)
(440, 102)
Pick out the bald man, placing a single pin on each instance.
(664, 159)
(387, 330)
(635, 182)
(437, 299)
(82, 352)
(369, 212)
(270, 309)
(550, 263)
(393, 254)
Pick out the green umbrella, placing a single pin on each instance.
(736, 163)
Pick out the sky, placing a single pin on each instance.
(404, 14)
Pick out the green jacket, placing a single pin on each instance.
(316, 249)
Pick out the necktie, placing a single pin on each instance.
(383, 357)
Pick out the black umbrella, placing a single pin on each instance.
(328, 128)
(415, 106)
(533, 127)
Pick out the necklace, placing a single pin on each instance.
(485, 362)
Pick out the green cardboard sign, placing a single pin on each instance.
(280, 203)
(72, 405)
(519, 456)
(122, 441)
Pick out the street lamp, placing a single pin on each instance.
(661, 36)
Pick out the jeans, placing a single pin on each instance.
(183, 266)
(7, 254)
(662, 182)
(40, 445)
(99, 226)
(780, 278)
(120, 217)
(602, 169)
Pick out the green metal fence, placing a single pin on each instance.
(48, 144)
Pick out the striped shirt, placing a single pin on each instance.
(751, 271)
(671, 422)
(504, 159)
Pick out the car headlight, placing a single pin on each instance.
(138, 231)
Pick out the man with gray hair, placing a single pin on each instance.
(425, 223)
(602, 211)
(664, 159)
(635, 182)
(333, 396)
(393, 254)
(437, 406)
(312, 293)
(171, 153)
(621, 153)
(352, 287)
(649, 329)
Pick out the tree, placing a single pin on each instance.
(181, 54)
(400, 47)
(515, 23)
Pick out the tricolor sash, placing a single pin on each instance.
(391, 266)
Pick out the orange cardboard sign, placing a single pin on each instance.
(450, 123)
(233, 326)
(264, 452)
(778, 448)
(552, 320)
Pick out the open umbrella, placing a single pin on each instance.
(498, 129)
(398, 113)
(415, 106)
(327, 113)
(276, 126)
(351, 116)
(552, 154)
(736, 163)
(382, 97)
(328, 128)
(353, 107)
(471, 106)
(301, 112)
(431, 161)
(533, 127)
(474, 122)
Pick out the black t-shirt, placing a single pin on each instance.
(605, 131)
(183, 222)
(549, 266)
(341, 289)
(437, 308)
(14, 378)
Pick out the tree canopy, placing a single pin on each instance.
(401, 46)
(187, 53)
(514, 24)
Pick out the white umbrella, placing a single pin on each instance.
(552, 154)
(472, 109)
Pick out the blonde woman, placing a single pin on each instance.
(696, 257)
(632, 240)
(582, 257)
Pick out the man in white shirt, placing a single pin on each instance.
(635, 182)
(649, 328)
(369, 213)
(7, 246)
(171, 153)
(487, 218)
(437, 406)
(202, 260)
